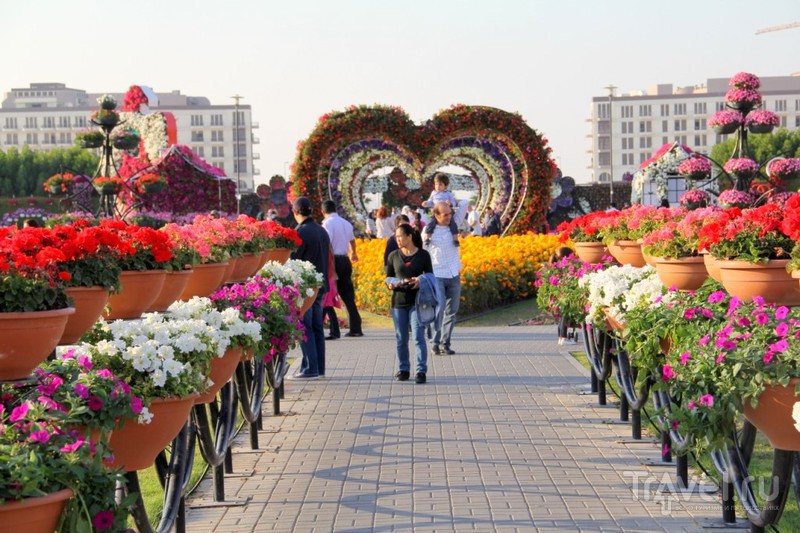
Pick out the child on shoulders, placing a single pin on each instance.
(441, 194)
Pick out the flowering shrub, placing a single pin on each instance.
(753, 235)
(635, 222)
(694, 196)
(584, 228)
(749, 97)
(558, 290)
(140, 248)
(734, 198)
(741, 165)
(768, 118)
(298, 274)
(617, 289)
(59, 183)
(784, 168)
(108, 184)
(725, 118)
(274, 308)
(494, 271)
(745, 80)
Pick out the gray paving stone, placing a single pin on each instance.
(499, 439)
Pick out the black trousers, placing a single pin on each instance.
(347, 293)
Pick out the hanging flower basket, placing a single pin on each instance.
(760, 128)
(128, 142)
(726, 122)
(105, 117)
(726, 129)
(107, 185)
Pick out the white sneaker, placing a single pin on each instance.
(561, 341)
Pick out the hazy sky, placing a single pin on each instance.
(295, 60)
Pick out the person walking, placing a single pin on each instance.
(343, 240)
(315, 249)
(405, 266)
(474, 221)
(384, 222)
(447, 269)
(491, 222)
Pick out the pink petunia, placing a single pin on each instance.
(19, 412)
(103, 520)
(40, 436)
(782, 312)
(780, 346)
(95, 403)
(782, 329)
(716, 297)
(762, 318)
(768, 356)
(707, 399)
(685, 356)
(667, 373)
(81, 390)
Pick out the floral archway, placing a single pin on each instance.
(507, 161)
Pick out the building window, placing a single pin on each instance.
(602, 110)
(80, 122)
(216, 136)
(720, 106)
(11, 138)
(11, 123)
(603, 159)
(645, 110)
(644, 156)
(797, 105)
(31, 138)
(64, 122)
(217, 151)
(700, 124)
(199, 150)
(680, 109)
(602, 127)
(680, 124)
(665, 125)
(645, 142)
(627, 111)
(681, 139)
(48, 122)
(197, 120)
(699, 108)
(65, 138)
(664, 140)
(699, 140)
(664, 110)
(797, 122)
(31, 122)
(603, 142)
(783, 122)
(197, 136)
(646, 126)
(780, 106)
(220, 165)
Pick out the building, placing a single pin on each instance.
(48, 115)
(627, 129)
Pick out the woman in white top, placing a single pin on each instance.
(384, 223)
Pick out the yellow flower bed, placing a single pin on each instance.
(494, 271)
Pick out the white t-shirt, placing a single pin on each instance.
(474, 221)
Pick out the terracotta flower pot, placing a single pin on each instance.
(712, 268)
(88, 303)
(281, 255)
(222, 369)
(174, 283)
(135, 446)
(139, 291)
(34, 515)
(627, 253)
(685, 273)
(768, 280)
(246, 266)
(773, 416)
(26, 339)
(649, 259)
(612, 323)
(591, 252)
(205, 279)
(308, 301)
(227, 277)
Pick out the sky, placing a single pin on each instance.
(295, 60)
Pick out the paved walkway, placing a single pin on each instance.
(499, 439)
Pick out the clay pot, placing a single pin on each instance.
(768, 280)
(88, 303)
(26, 339)
(139, 291)
(308, 302)
(34, 515)
(246, 265)
(222, 369)
(205, 279)
(685, 273)
(281, 255)
(174, 284)
(591, 252)
(712, 268)
(773, 416)
(627, 253)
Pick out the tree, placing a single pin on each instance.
(761, 148)
(22, 172)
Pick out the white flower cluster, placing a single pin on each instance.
(227, 323)
(298, 274)
(152, 128)
(619, 289)
(107, 98)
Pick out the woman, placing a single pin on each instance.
(405, 265)
(384, 223)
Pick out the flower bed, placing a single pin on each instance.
(494, 271)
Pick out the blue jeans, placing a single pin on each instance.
(451, 288)
(403, 318)
(313, 346)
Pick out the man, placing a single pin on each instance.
(342, 238)
(314, 249)
(474, 221)
(491, 222)
(447, 269)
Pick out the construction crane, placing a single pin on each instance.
(779, 28)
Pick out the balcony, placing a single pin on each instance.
(256, 156)
(256, 172)
(256, 140)
(254, 125)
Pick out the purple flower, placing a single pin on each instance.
(95, 403)
(40, 436)
(103, 520)
(18, 412)
(81, 390)
(716, 297)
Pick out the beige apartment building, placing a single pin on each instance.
(627, 128)
(48, 115)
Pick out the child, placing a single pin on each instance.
(441, 194)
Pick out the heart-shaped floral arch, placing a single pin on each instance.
(507, 160)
